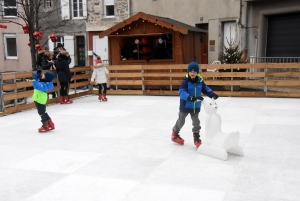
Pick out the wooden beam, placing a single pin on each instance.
(117, 75)
(124, 92)
(125, 82)
(281, 83)
(162, 82)
(283, 94)
(124, 67)
(235, 82)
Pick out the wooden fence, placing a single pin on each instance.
(244, 80)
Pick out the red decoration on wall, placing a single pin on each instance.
(28, 44)
(3, 26)
(25, 29)
(53, 37)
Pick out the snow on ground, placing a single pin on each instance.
(121, 150)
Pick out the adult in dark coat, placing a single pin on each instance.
(64, 76)
(47, 63)
(59, 48)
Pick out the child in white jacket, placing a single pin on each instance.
(99, 78)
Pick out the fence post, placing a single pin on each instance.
(116, 80)
(25, 98)
(15, 91)
(143, 86)
(171, 87)
(231, 87)
(265, 79)
(1, 95)
(75, 83)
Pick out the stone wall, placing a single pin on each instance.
(98, 22)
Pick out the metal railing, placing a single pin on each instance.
(274, 59)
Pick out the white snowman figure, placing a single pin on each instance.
(217, 143)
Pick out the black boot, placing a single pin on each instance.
(197, 140)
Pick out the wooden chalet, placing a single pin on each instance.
(147, 39)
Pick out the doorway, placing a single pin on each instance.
(80, 50)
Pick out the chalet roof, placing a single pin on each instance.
(188, 27)
(163, 21)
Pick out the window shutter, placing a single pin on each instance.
(50, 44)
(65, 9)
(69, 46)
(84, 7)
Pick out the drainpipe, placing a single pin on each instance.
(246, 25)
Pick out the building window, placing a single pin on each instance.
(10, 8)
(109, 8)
(10, 45)
(78, 8)
(61, 40)
(47, 3)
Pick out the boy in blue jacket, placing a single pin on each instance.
(42, 82)
(190, 92)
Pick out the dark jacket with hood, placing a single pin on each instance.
(190, 88)
(40, 58)
(46, 64)
(62, 68)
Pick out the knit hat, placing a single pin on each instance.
(59, 45)
(49, 76)
(193, 66)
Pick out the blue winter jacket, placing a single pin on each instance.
(187, 89)
(40, 91)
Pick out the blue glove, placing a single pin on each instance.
(36, 76)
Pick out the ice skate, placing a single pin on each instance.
(197, 140)
(176, 138)
(100, 97)
(44, 128)
(51, 124)
(104, 98)
(67, 100)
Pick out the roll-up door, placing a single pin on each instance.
(283, 38)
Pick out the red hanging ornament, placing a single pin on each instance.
(36, 34)
(41, 34)
(28, 44)
(25, 29)
(38, 47)
(53, 37)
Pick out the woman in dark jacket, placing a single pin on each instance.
(64, 76)
(47, 61)
(47, 64)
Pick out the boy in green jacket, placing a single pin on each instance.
(42, 82)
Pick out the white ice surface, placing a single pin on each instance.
(121, 150)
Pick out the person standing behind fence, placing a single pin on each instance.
(42, 82)
(47, 63)
(64, 76)
(99, 78)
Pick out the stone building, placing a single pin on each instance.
(103, 14)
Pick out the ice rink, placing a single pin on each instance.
(122, 150)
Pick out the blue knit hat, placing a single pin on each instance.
(49, 76)
(193, 66)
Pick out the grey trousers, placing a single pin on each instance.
(181, 120)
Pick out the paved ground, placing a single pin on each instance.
(121, 150)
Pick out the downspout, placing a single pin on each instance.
(246, 25)
(129, 8)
